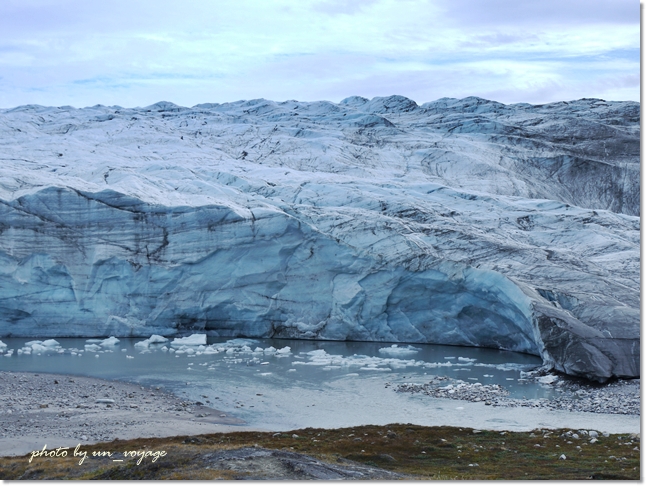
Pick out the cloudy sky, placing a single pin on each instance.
(137, 52)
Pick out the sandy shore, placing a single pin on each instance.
(61, 411)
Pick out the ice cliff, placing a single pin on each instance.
(464, 222)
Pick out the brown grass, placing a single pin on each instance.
(424, 452)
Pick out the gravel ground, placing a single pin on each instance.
(617, 397)
(60, 410)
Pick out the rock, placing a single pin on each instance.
(462, 222)
(104, 400)
(253, 463)
(562, 456)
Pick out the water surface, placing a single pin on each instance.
(286, 384)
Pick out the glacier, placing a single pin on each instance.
(463, 222)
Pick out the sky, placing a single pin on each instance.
(137, 52)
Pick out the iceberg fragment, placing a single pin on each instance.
(192, 340)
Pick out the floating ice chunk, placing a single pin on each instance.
(40, 346)
(111, 341)
(446, 364)
(395, 350)
(239, 342)
(192, 340)
(449, 357)
(548, 379)
(50, 343)
(92, 347)
(156, 338)
(284, 351)
(466, 360)
(270, 350)
(2, 345)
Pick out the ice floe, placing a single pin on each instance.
(398, 351)
(192, 340)
(154, 339)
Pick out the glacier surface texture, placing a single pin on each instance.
(462, 222)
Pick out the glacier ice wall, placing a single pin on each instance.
(462, 222)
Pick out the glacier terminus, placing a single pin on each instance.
(460, 221)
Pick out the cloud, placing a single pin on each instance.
(124, 52)
(544, 13)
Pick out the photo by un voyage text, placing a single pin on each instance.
(81, 455)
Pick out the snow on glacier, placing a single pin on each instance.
(463, 222)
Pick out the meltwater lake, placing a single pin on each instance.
(283, 384)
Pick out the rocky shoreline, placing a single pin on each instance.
(617, 397)
(62, 410)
